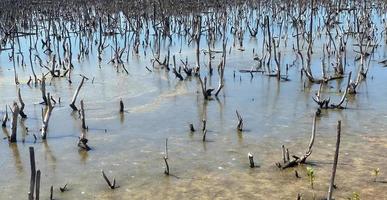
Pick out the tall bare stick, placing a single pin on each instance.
(336, 158)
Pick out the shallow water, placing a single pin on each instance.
(130, 146)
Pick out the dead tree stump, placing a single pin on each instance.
(15, 112)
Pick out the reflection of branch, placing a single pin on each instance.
(48, 151)
(16, 155)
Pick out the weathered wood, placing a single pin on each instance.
(51, 192)
(33, 174)
(175, 71)
(64, 188)
(82, 142)
(204, 123)
(191, 128)
(22, 105)
(339, 105)
(15, 112)
(112, 186)
(46, 119)
(83, 116)
(43, 89)
(37, 185)
(283, 154)
(298, 160)
(335, 160)
(204, 135)
(72, 104)
(166, 171)
(221, 81)
(251, 160)
(240, 121)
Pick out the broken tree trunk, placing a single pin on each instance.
(121, 106)
(240, 121)
(191, 128)
(15, 112)
(46, 117)
(332, 182)
(43, 89)
(33, 174)
(22, 105)
(84, 127)
(37, 192)
(82, 143)
(72, 105)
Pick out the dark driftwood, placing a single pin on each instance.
(175, 71)
(332, 181)
(22, 105)
(111, 185)
(15, 112)
(191, 128)
(33, 174)
(64, 188)
(204, 122)
(166, 171)
(37, 185)
(82, 143)
(121, 106)
(51, 192)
